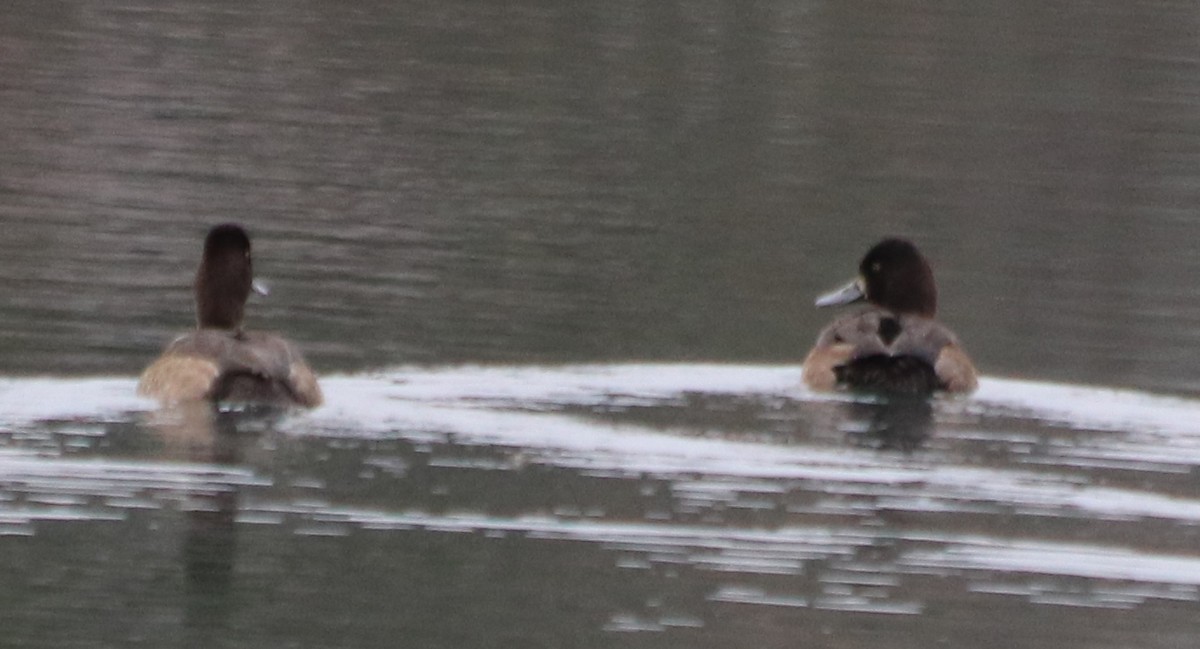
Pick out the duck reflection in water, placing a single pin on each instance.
(898, 423)
(894, 351)
(201, 434)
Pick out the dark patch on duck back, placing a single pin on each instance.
(889, 330)
(898, 375)
(248, 387)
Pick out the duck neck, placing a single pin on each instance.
(221, 291)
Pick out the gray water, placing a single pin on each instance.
(556, 263)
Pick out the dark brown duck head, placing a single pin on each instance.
(224, 279)
(893, 275)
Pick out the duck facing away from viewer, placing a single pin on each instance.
(219, 361)
(895, 345)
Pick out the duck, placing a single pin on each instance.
(221, 362)
(895, 345)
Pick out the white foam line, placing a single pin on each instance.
(915, 484)
(747, 595)
(583, 384)
(27, 400)
(73, 475)
(498, 406)
(581, 443)
(792, 541)
(1090, 407)
(367, 399)
(740, 547)
(1069, 560)
(528, 386)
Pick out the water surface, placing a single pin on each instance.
(556, 263)
(669, 505)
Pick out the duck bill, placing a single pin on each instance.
(852, 292)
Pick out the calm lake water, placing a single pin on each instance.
(556, 262)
